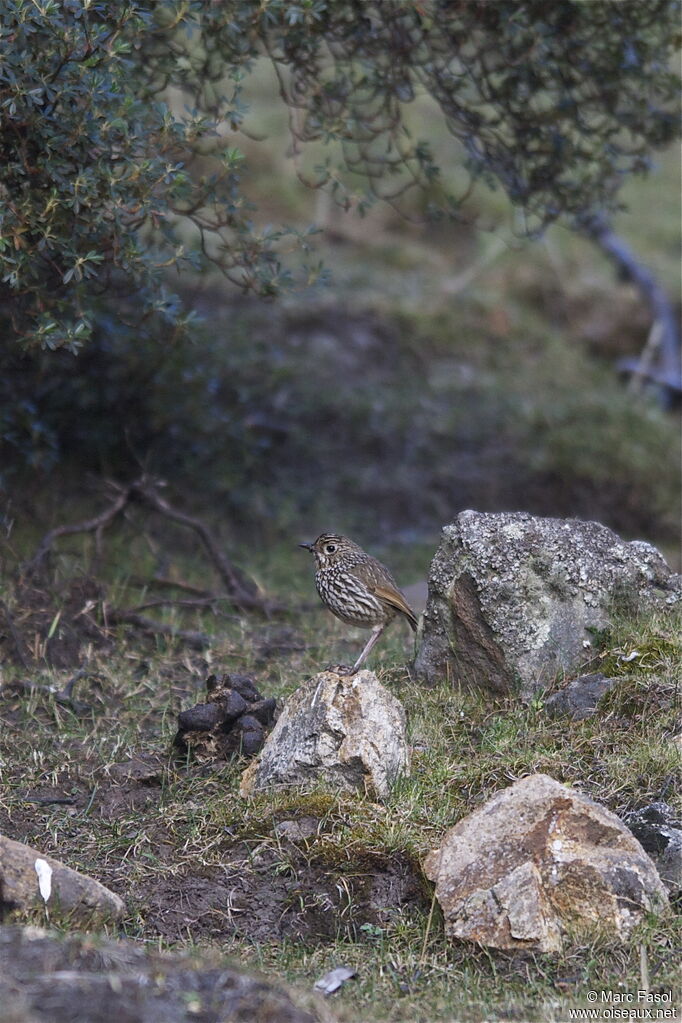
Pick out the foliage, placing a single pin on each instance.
(97, 173)
(555, 102)
(105, 185)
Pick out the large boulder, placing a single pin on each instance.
(514, 599)
(28, 879)
(346, 730)
(539, 862)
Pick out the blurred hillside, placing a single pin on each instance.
(452, 364)
(445, 365)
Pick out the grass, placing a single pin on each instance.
(194, 829)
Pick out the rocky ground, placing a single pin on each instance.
(289, 883)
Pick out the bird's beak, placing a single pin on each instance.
(307, 546)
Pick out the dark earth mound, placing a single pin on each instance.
(81, 979)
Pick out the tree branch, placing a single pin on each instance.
(661, 367)
(242, 592)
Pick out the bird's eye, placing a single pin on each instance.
(330, 548)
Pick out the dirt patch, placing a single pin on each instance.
(277, 891)
(51, 627)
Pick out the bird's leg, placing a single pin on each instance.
(376, 633)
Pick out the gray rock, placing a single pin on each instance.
(580, 698)
(75, 893)
(297, 830)
(539, 862)
(659, 830)
(143, 769)
(513, 598)
(346, 730)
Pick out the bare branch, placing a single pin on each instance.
(665, 337)
(241, 589)
(98, 523)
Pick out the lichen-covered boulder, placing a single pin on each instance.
(539, 862)
(348, 731)
(515, 599)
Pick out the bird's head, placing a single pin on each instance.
(329, 548)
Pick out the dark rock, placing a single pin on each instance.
(580, 698)
(243, 685)
(264, 710)
(233, 704)
(658, 828)
(57, 978)
(202, 718)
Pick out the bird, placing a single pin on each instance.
(357, 588)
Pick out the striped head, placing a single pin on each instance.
(331, 549)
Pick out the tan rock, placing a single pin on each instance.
(346, 730)
(539, 861)
(28, 878)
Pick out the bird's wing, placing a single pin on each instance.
(395, 599)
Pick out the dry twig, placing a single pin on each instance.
(241, 591)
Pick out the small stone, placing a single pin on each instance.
(146, 769)
(298, 830)
(201, 718)
(264, 710)
(580, 698)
